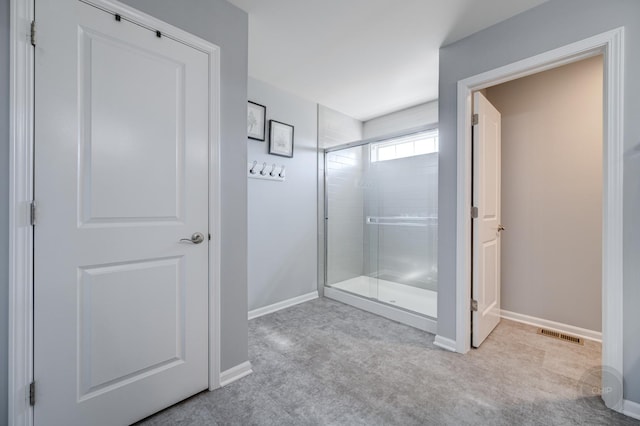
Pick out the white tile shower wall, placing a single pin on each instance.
(336, 128)
(400, 121)
(345, 196)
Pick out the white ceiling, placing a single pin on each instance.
(364, 58)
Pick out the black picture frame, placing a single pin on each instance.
(256, 121)
(280, 139)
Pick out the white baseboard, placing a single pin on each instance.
(405, 317)
(235, 373)
(445, 343)
(255, 313)
(631, 409)
(557, 326)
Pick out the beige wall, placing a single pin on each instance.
(552, 193)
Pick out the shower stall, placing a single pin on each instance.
(381, 226)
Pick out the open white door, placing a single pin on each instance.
(121, 176)
(486, 226)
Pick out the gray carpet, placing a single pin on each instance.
(325, 363)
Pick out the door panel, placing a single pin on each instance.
(486, 233)
(114, 349)
(121, 175)
(126, 115)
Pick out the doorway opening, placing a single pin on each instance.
(537, 237)
(548, 230)
(610, 46)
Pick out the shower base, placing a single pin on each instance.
(419, 300)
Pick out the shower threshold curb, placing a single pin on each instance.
(414, 320)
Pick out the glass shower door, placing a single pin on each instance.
(381, 221)
(402, 217)
(348, 252)
(371, 229)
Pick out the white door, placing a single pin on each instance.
(486, 227)
(121, 175)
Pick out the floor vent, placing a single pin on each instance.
(561, 336)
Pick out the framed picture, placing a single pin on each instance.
(256, 121)
(280, 139)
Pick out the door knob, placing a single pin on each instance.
(196, 238)
(500, 228)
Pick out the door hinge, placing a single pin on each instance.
(474, 119)
(32, 393)
(474, 212)
(209, 237)
(474, 305)
(32, 213)
(33, 33)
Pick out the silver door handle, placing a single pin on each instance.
(196, 238)
(500, 228)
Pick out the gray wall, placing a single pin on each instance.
(283, 246)
(227, 27)
(551, 25)
(4, 205)
(551, 264)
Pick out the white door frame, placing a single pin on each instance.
(611, 45)
(21, 170)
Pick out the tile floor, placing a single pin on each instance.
(326, 363)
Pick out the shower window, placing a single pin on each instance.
(381, 221)
(405, 146)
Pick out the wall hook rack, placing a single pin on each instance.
(264, 171)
